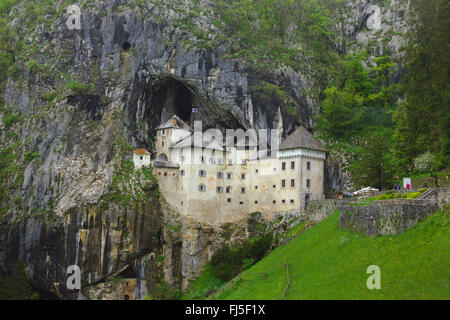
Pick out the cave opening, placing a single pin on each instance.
(128, 273)
(175, 98)
(126, 46)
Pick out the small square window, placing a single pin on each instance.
(228, 189)
(243, 176)
(142, 158)
(274, 201)
(256, 187)
(274, 186)
(241, 202)
(228, 199)
(256, 202)
(256, 170)
(228, 175)
(292, 201)
(242, 190)
(283, 201)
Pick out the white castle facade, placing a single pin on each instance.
(223, 180)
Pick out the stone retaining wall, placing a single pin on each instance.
(385, 217)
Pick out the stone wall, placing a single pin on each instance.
(318, 210)
(385, 217)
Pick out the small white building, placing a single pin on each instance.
(141, 158)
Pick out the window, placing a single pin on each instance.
(308, 183)
(292, 183)
(202, 173)
(243, 176)
(228, 199)
(292, 165)
(241, 202)
(162, 143)
(202, 187)
(292, 201)
(283, 183)
(256, 187)
(165, 174)
(283, 201)
(219, 175)
(283, 166)
(228, 175)
(256, 170)
(274, 186)
(142, 158)
(242, 190)
(219, 189)
(181, 173)
(256, 202)
(308, 165)
(228, 190)
(274, 201)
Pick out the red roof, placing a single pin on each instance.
(141, 152)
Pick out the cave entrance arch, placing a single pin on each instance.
(162, 157)
(175, 97)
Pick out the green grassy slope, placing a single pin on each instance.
(330, 263)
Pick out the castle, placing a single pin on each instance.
(203, 177)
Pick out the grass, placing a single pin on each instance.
(203, 286)
(329, 263)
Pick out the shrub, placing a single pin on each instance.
(225, 271)
(422, 190)
(228, 262)
(383, 196)
(413, 195)
(424, 162)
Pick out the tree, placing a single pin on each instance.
(423, 122)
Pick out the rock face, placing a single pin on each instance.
(97, 92)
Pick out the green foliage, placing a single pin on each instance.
(423, 120)
(16, 285)
(327, 262)
(30, 156)
(228, 262)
